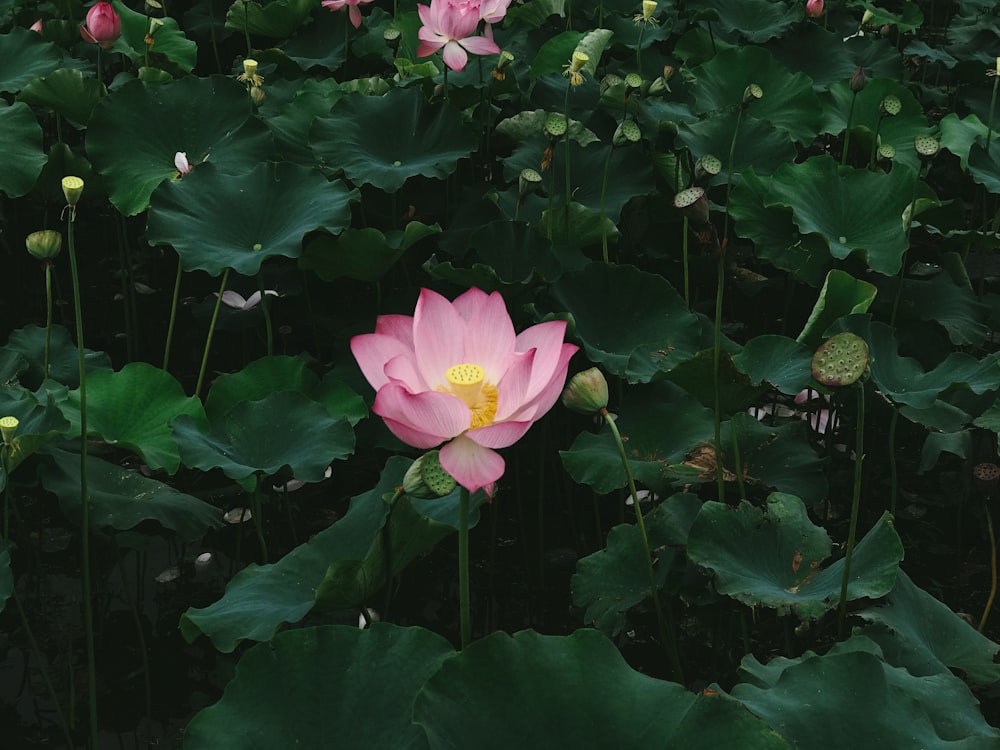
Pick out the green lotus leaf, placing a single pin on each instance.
(554, 55)
(863, 698)
(531, 125)
(307, 687)
(697, 377)
(774, 558)
(756, 20)
(133, 408)
(6, 576)
(958, 135)
(26, 56)
(947, 299)
(917, 48)
(576, 224)
(12, 364)
(362, 254)
(137, 130)
(774, 234)
(121, 499)
(66, 92)
(632, 322)
(277, 19)
(759, 146)
(920, 633)
(282, 373)
(594, 460)
(608, 583)
(825, 57)
(851, 209)
(909, 19)
(571, 691)
(779, 360)
(841, 295)
(39, 422)
(289, 111)
(168, 39)
(982, 166)
(384, 140)
(788, 103)
(21, 143)
(321, 43)
(64, 367)
(534, 13)
(898, 131)
(216, 221)
(283, 429)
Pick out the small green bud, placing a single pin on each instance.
(586, 392)
(44, 245)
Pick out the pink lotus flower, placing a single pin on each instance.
(456, 373)
(37, 26)
(451, 24)
(104, 26)
(181, 163)
(814, 8)
(353, 12)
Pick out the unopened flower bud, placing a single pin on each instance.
(814, 8)
(867, 17)
(257, 95)
(8, 426)
(751, 93)
(44, 245)
(72, 188)
(427, 479)
(858, 80)
(586, 392)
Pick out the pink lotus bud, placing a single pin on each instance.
(858, 80)
(814, 8)
(181, 163)
(37, 26)
(104, 26)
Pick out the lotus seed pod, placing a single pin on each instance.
(392, 37)
(8, 426)
(610, 81)
(555, 125)
(693, 203)
(586, 392)
(528, 182)
(987, 476)
(72, 188)
(707, 166)
(633, 81)
(891, 106)
(887, 151)
(44, 245)
(752, 92)
(840, 360)
(426, 479)
(926, 146)
(627, 132)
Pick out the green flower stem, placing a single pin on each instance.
(246, 26)
(258, 520)
(48, 315)
(859, 454)
(604, 191)
(902, 265)
(993, 570)
(720, 285)
(464, 593)
(211, 331)
(569, 86)
(267, 314)
(687, 277)
(173, 313)
(638, 50)
(88, 615)
(993, 106)
(874, 151)
(667, 630)
(5, 462)
(847, 133)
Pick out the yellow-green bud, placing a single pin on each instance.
(8, 426)
(586, 392)
(427, 479)
(44, 245)
(72, 188)
(257, 95)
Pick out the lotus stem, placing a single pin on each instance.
(664, 618)
(604, 191)
(48, 316)
(859, 454)
(258, 521)
(267, 314)
(993, 107)
(88, 615)
(569, 86)
(173, 313)
(847, 133)
(464, 591)
(993, 570)
(687, 277)
(211, 331)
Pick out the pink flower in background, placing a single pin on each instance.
(353, 12)
(814, 8)
(104, 26)
(451, 25)
(181, 163)
(493, 11)
(37, 26)
(456, 373)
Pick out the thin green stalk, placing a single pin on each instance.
(902, 265)
(48, 315)
(993, 571)
(173, 313)
(211, 331)
(246, 26)
(859, 454)
(88, 614)
(258, 517)
(638, 50)
(464, 591)
(720, 284)
(267, 314)
(569, 86)
(687, 278)
(604, 190)
(993, 106)
(663, 617)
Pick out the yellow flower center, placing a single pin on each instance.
(468, 382)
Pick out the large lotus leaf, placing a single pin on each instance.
(774, 558)
(697, 377)
(841, 295)
(324, 687)
(321, 43)
(852, 209)
(363, 254)
(632, 322)
(133, 408)
(136, 131)
(852, 698)
(608, 583)
(384, 140)
(774, 234)
(825, 57)
(341, 566)
(576, 224)
(277, 19)
(789, 102)
(64, 367)
(572, 691)
(530, 124)
(6, 576)
(983, 166)
(959, 135)
(38, 422)
(897, 131)
(918, 632)
(779, 360)
(756, 20)
(974, 34)
(21, 143)
(26, 56)
(167, 39)
(66, 92)
(283, 429)
(282, 373)
(662, 423)
(121, 499)
(216, 221)
(289, 111)
(758, 145)
(908, 19)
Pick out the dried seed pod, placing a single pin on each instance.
(987, 476)
(840, 360)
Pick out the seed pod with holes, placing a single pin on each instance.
(926, 146)
(707, 166)
(555, 125)
(426, 479)
(627, 132)
(840, 360)
(986, 476)
(693, 203)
